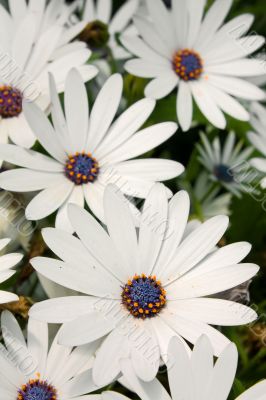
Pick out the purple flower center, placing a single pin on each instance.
(188, 65)
(81, 168)
(10, 102)
(143, 296)
(36, 389)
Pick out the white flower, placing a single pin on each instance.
(100, 12)
(87, 153)
(258, 139)
(195, 376)
(208, 201)
(34, 370)
(205, 59)
(35, 40)
(7, 261)
(227, 164)
(141, 287)
(13, 223)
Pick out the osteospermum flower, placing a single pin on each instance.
(142, 287)
(33, 370)
(7, 261)
(227, 164)
(208, 202)
(35, 41)
(87, 153)
(258, 139)
(102, 29)
(205, 59)
(195, 376)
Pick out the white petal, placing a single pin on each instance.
(38, 342)
(26, 180)
(147, 69)
(6, 297)
(227, 103)
(207, 105)
(121, 227)
(146, 391)
(104, 110)
(153, 39)
(142, 142)
(28, 158)
(196, 246)
(76, 109)
(152, 228)
(49, 200)
(215, 311)
(20, 132)
(95, 238)
(24, 40)
(212, 282)
(242, 68)
(85, 281)
(192, 330)
(62, 309)
(85, 329)
(184, 105)
(223, 374)
(162, 22)
(177, 220)
(163, 85)
(140, 49)
(179, 370)
(123, 16)
(44, 131)
(62, 220)
(106, 366)
(125, 126)
(256, 392)
(237, 87)
(202, 366)
(104, 10)
(212, 22)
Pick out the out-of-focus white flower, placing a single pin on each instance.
(228, 164)
(7, 262)
(258, 139)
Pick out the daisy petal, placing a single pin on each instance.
(62, 309)
(26, 180)
(76, 109)
(104, 110)
(184, 106)
(49, 200)
(28, 158)
(163, 85)
(207, 105)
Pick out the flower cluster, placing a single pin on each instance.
(127, 260)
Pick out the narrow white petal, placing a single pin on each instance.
(184, 105)
(49, 200)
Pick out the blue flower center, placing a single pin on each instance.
(36, 389)
(81, 168)
(188, 65)
(223, 173)
(10, 102)
(143, 296)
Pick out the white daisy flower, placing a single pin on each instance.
(103, 28)
(228, 164)
(33, 370)
(35, 40)
(142, 287)
(195, 376)
(258, 139)
(205, 59)
(7, 261)
(87, 153)
(208, 202)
